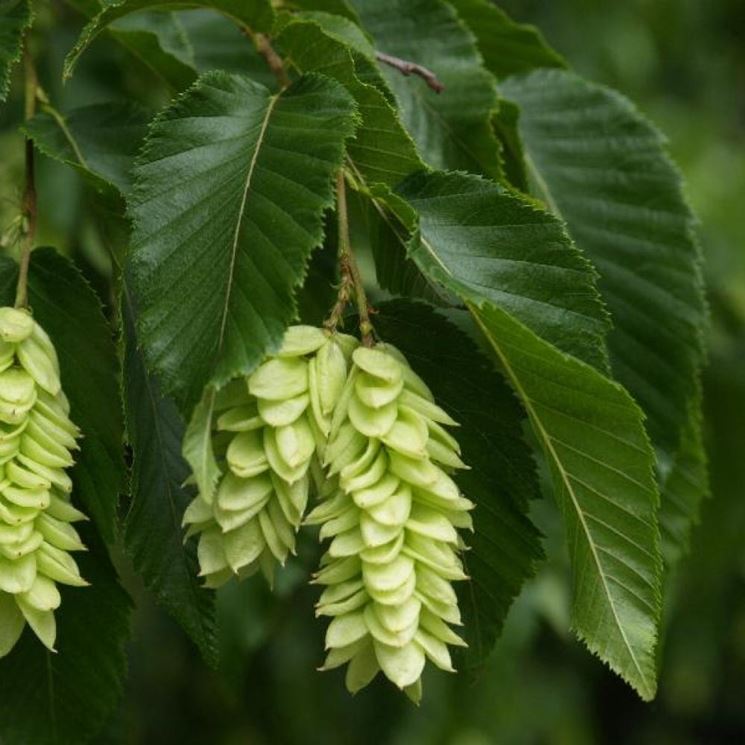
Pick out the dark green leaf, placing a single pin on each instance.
(100, 141)
(382, 151)
(231, 189)
(588, 427)
(508, 47)
(153, 534)
(505, 546)
(256, 14)
(218, 44)
(602, 167)
(15, 18)
(156, 38)
(518, 255)
(452, 129)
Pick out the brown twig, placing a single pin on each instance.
(28, 204)
(411, 68)
(273, 60)
(351, 280)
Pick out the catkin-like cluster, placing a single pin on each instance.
(37, 440)
(267, 428)
(391, 511)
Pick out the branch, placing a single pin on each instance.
(411, 68)
(28, 205)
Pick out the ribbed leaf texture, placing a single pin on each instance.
(588, 427)
(602, 167)
(66, 697)
(256, 14)
(505, 546)
(15, 18)
(228, 204)
(507, 47)
(452, 129)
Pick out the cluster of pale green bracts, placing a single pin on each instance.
(37, 440)
(361, 427)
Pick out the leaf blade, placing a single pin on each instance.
(227, 233)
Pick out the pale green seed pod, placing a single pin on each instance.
(391, 512)
(37, 441)
(268, 430)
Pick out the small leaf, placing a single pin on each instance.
(452, 129)
(256, 14)
(505, 546)
(508, 47)
(153, 533)
(231, 189)
(15, 18)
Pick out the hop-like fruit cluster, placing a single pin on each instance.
(37, 440)
(267, 429)
(391, 511)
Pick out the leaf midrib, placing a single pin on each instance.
(241, 212)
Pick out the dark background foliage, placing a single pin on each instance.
(683, 63)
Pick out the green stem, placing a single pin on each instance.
(28, 206)
(351, 279)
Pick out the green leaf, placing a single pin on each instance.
(684, 483)
(231, 189)
(382, 151)
(153, 534)
(69, 311)
(505, 547)
(588, 427)
(602, 167)
(452, 129)
(218, 44)
(155, 38)
(519, 255)
(99, 141)
(256, 14)
(15, 17)
(67, 697)
(161, 43)
(508, 47)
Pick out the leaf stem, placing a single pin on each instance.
(351, 279)
(273, 60)
(28, 204)
(405, 67)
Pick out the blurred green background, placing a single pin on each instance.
(683, 63)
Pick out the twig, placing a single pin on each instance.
(28, 205)
(351, 280)
(273, 60)
(411, 68)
